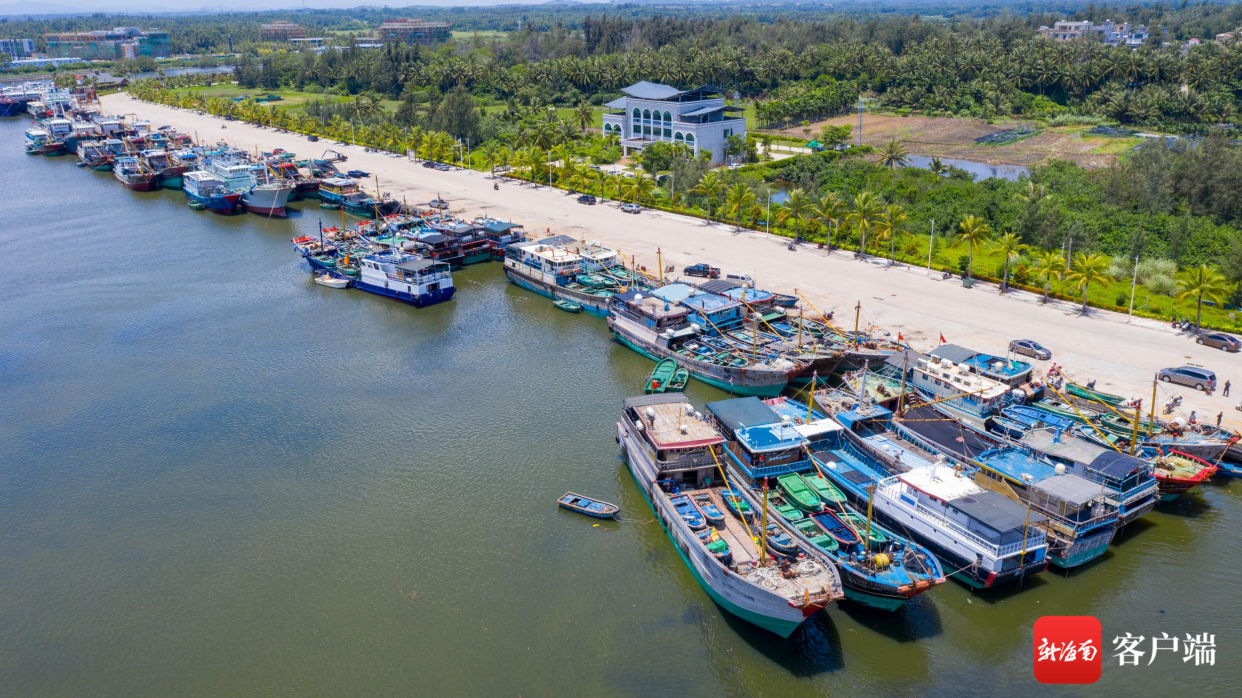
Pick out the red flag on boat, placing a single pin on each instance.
(900, 338)
(942, 338)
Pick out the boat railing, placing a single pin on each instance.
(1035, 538)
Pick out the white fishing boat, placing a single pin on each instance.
(326, 279)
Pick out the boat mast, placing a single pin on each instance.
(862, 389)
(857, 311)
(870, 499)
(660, 264)
(810, 395)
(905, 368)
(763, 528)
(799, 327)
(754, 339)
(1151, 420)
(1138, 414)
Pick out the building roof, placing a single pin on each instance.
(1069, 488)
(703, 111)
(618, 103)
(651, 90)
(996, 511)
(742, 412)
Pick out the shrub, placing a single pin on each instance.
(1149, 268)
(1160, 284)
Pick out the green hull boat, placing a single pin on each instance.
(816, 535)
(1096, 395)
(678, 382)
(661, 376)
(827, 492)
(799, 492)
(784, 508)
(567, 306)
(859, 524)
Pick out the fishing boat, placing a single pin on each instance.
(567, 306)
(737, 505)
(208, 190)
(500, 234)
(407, 278)
(658, 330)
(710, 511)
(266, 197)
(591, 507)
(689, 513)
(1094, 395)
(799, 492)
(348, 193)
(678, 382)
(326, 279)
(167, 173)
(841, 532)
(661, 376)
(959, 391)
(883, 576)
(129, 171)
(40, 142)
(95, 155)
(1179, 473)
(671, 452)
(553, 270)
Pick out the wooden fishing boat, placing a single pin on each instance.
(586, 505)
(859, 523)
(781, 542)
(710, 511)
(799, 492)
(717, 546)
(838, 529)
(567, 306)
(1177, 473)
(348, 267)
(781, 300)
(738, 506)
(816, 535)
(688, 512)
(783, 507)
(1095, 395)
(660, 376)
(677, 383)
(326, 279)
(827, 492)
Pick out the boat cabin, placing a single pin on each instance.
(762, 443)
(1011, 372)
(596, 257)
(959, 389)
(553, 264)
(666, 319)
(715, 314)
(679, 439)
(502, 234)
(58, 128)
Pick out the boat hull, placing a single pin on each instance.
(420, 301)
(267, 201)
(769, 611)
(595, 305)
(766, 383)
(1082, 550)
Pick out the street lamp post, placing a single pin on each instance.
(767, 216)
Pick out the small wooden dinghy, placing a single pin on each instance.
(591, 507)
(567, 306)
(827, 492)
(859, 523)
(844, 533)
(677, 383)
(816, 535)
(711, 512)
(781, 542)
(330, 281)
(1088, 394)
(799, 492)
(660, 377)
(329, 206)
(716, 545)
(737, 506)
(781, 505)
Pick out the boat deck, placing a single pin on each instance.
(667, 421)
(734, 532)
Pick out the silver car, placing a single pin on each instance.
(1190, 376)
(1031, 348)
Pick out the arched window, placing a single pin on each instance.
(689, 137)
(668, 118)
(679, 137)
(647, 114)
(637, 114)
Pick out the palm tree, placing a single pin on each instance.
(1202, 282)
(639, 188)
(583, 116)
(1010, 245)
(867, 208)
(796, 208)
(831, 209)
(893, 155)
(710, 186)
(937, 167)
(973, 231)
(489, 152)
(889, 227)
(739, 200)
(1088, 268)
(1048, 264)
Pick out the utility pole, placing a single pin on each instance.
(1133, 285)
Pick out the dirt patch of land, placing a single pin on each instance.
(955, 138)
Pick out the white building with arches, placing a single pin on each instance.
(651, 113)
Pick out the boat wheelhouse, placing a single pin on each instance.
(958, 390)
(348, 193)
(552, 270)
(1125, 480)
(407, 278)
(208, 190)
(715, 314)
(671, 452)
(130, 171)
(500, 234)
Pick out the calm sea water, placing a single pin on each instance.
(219, 479)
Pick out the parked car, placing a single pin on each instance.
(1191, 376)
(441, 167)
(357, 174)
(438, 203)
(704, 270)
(429, 164)
(631, 208)
(1218, 340)
(743, 279)
(587, 199)
(313, 138)
(1031, 348)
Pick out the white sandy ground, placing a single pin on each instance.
(1121, 355)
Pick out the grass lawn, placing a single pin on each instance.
(564, 113)
(292, 99)
(485, 33)
(1112, 146)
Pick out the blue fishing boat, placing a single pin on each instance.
(586, 505)
(780, 542)
(688, 512)
(711, 512)
(737, 505)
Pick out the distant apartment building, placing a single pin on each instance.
(1109, 32)
(414, 31)
(110, 44)
(281, 30)
(17, 48)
